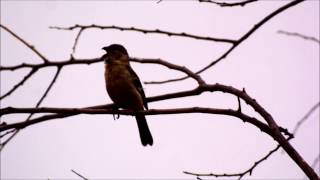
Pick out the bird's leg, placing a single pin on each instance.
(115, 116)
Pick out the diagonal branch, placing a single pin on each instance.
(305, 117)
(315, 161)
(76, 42)
(8, 132)
(25, 43)
(239, 41)
(249, 171)
(3, 144)
(242, 174)
(183, 69)
(20, 83)
(299, 35)
(78, 174)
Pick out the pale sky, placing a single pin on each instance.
(280, 72)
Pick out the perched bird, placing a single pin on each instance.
(124, 87)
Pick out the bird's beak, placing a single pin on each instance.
(105, 48)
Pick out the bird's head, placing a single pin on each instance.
(115, 52)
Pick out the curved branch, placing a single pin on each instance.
(242, 174)
(225, 4)
(274, 128)
(238, 42)
(193, 92)
(183, 69)
(272, 124)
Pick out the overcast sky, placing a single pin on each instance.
(281, 72)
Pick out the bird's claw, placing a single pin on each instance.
(116, 116)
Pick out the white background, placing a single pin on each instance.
(280, 72)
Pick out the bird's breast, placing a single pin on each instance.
(121, 88)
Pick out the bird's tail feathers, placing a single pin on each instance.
(145, 134)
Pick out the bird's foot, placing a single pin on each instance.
(115, 116)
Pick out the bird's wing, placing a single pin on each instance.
(138, 85)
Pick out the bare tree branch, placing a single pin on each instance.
(271, 128)
(96, 60)
(90, 110)
(183, 69)
(225, 4)
(20, 83)
(249, 171)
(315, 161)
(272, 124)
(51, 63)
(78, 174)
(25, 43)
(3, 144)
(299, 35)
(76, 42)
(145, 31)
(242, 174)
(8, 132)
(305, 117)
(238, 42)
(235, 43)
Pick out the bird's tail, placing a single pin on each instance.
(145, 135)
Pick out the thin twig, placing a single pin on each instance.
(315, 161)
(299, 35)
(242, 174)
(55, 77)
(146, 31)
(51, 63)
(305, 117)
(25, 43)
(68, 62)
(76, 42)
(6, 133)
(183, 69)
(3, 144)
(238, 42)
(78, 174)
(225, 4)
(20, 83)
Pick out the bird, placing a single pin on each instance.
(124, 87)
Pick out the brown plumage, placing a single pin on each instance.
(124, 87)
